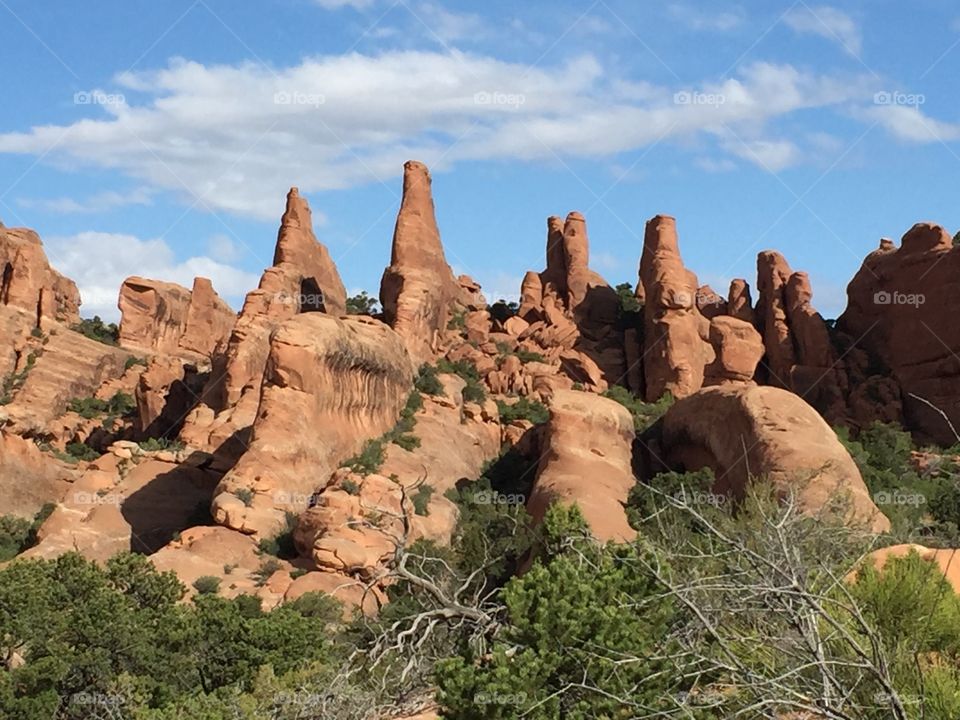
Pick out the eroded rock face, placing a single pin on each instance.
(65, 365)
(330, 384)
(676, 351)
(418, 289)
(900, 321)
(738, 348)
(29, 284)
(741, 431)
(587, 460)
(28, 477)
(352, 528)
(166, 318)
(799, 353)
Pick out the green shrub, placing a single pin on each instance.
(81, 451)
(427, 381)
(362, 304)
(529, 356)
(245, 495)
(458, 320)
(160, 444)
(369, 460)
(349, 486)
(523, 409)
(14, 532)
(120, 405)
(95, 329)
(207, 585)
(644, 414)
(407, 442)
(474, 391)
(131, 361)
(267, 568)
(281, 545)
(628, 300)
(421, 499)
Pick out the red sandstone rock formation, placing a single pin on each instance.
(903, 333)
(29, 284)
(418, 289)
(738, 348)
(676, 350)
(587, 461)
(166, 318)
(799, 353)
(739, 304)
(743, 431)
(330, 385)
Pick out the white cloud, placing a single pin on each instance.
(100, 262)
(236, 137)
(698, 19)
(716, 165)
(101, 202)
(339, 4)
(772, 155)
(828, 22)
(910, 124)
(445, 25)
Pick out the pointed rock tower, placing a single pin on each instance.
(418, 288)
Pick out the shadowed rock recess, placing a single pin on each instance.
(207, 439)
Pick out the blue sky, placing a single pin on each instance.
(160, 138)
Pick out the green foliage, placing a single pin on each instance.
(427, 381)
(628, 300)
(132, 360)
(572, 616)
(458, 320)
(81, 451)
(474, 391)
(644, 414)
(14, 381)
(526, 356)
(281, 544)
(267, 568)
(362, 304)
(407, 442)
(523, 409)
(349, 486)
(245, 495)
(160, 444)
(646, 500)
(207, 585)
(369, 460)
(18, 534)
(421, 499)
(120, 405)
(920, 506)
(95, 329)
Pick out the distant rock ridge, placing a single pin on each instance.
(28, 283)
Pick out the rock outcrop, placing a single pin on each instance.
(353, 525)
(166, 318)
(330, 385)
(799, 353)
(738, 348)
(29, 284)
(747, 431)
(587, 460)
(29, 478)
(676, 346)
(418, 289)
(302, 280)
(903, 334)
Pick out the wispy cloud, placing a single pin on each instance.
(99, 203)
(827, 22)
(700, 19)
